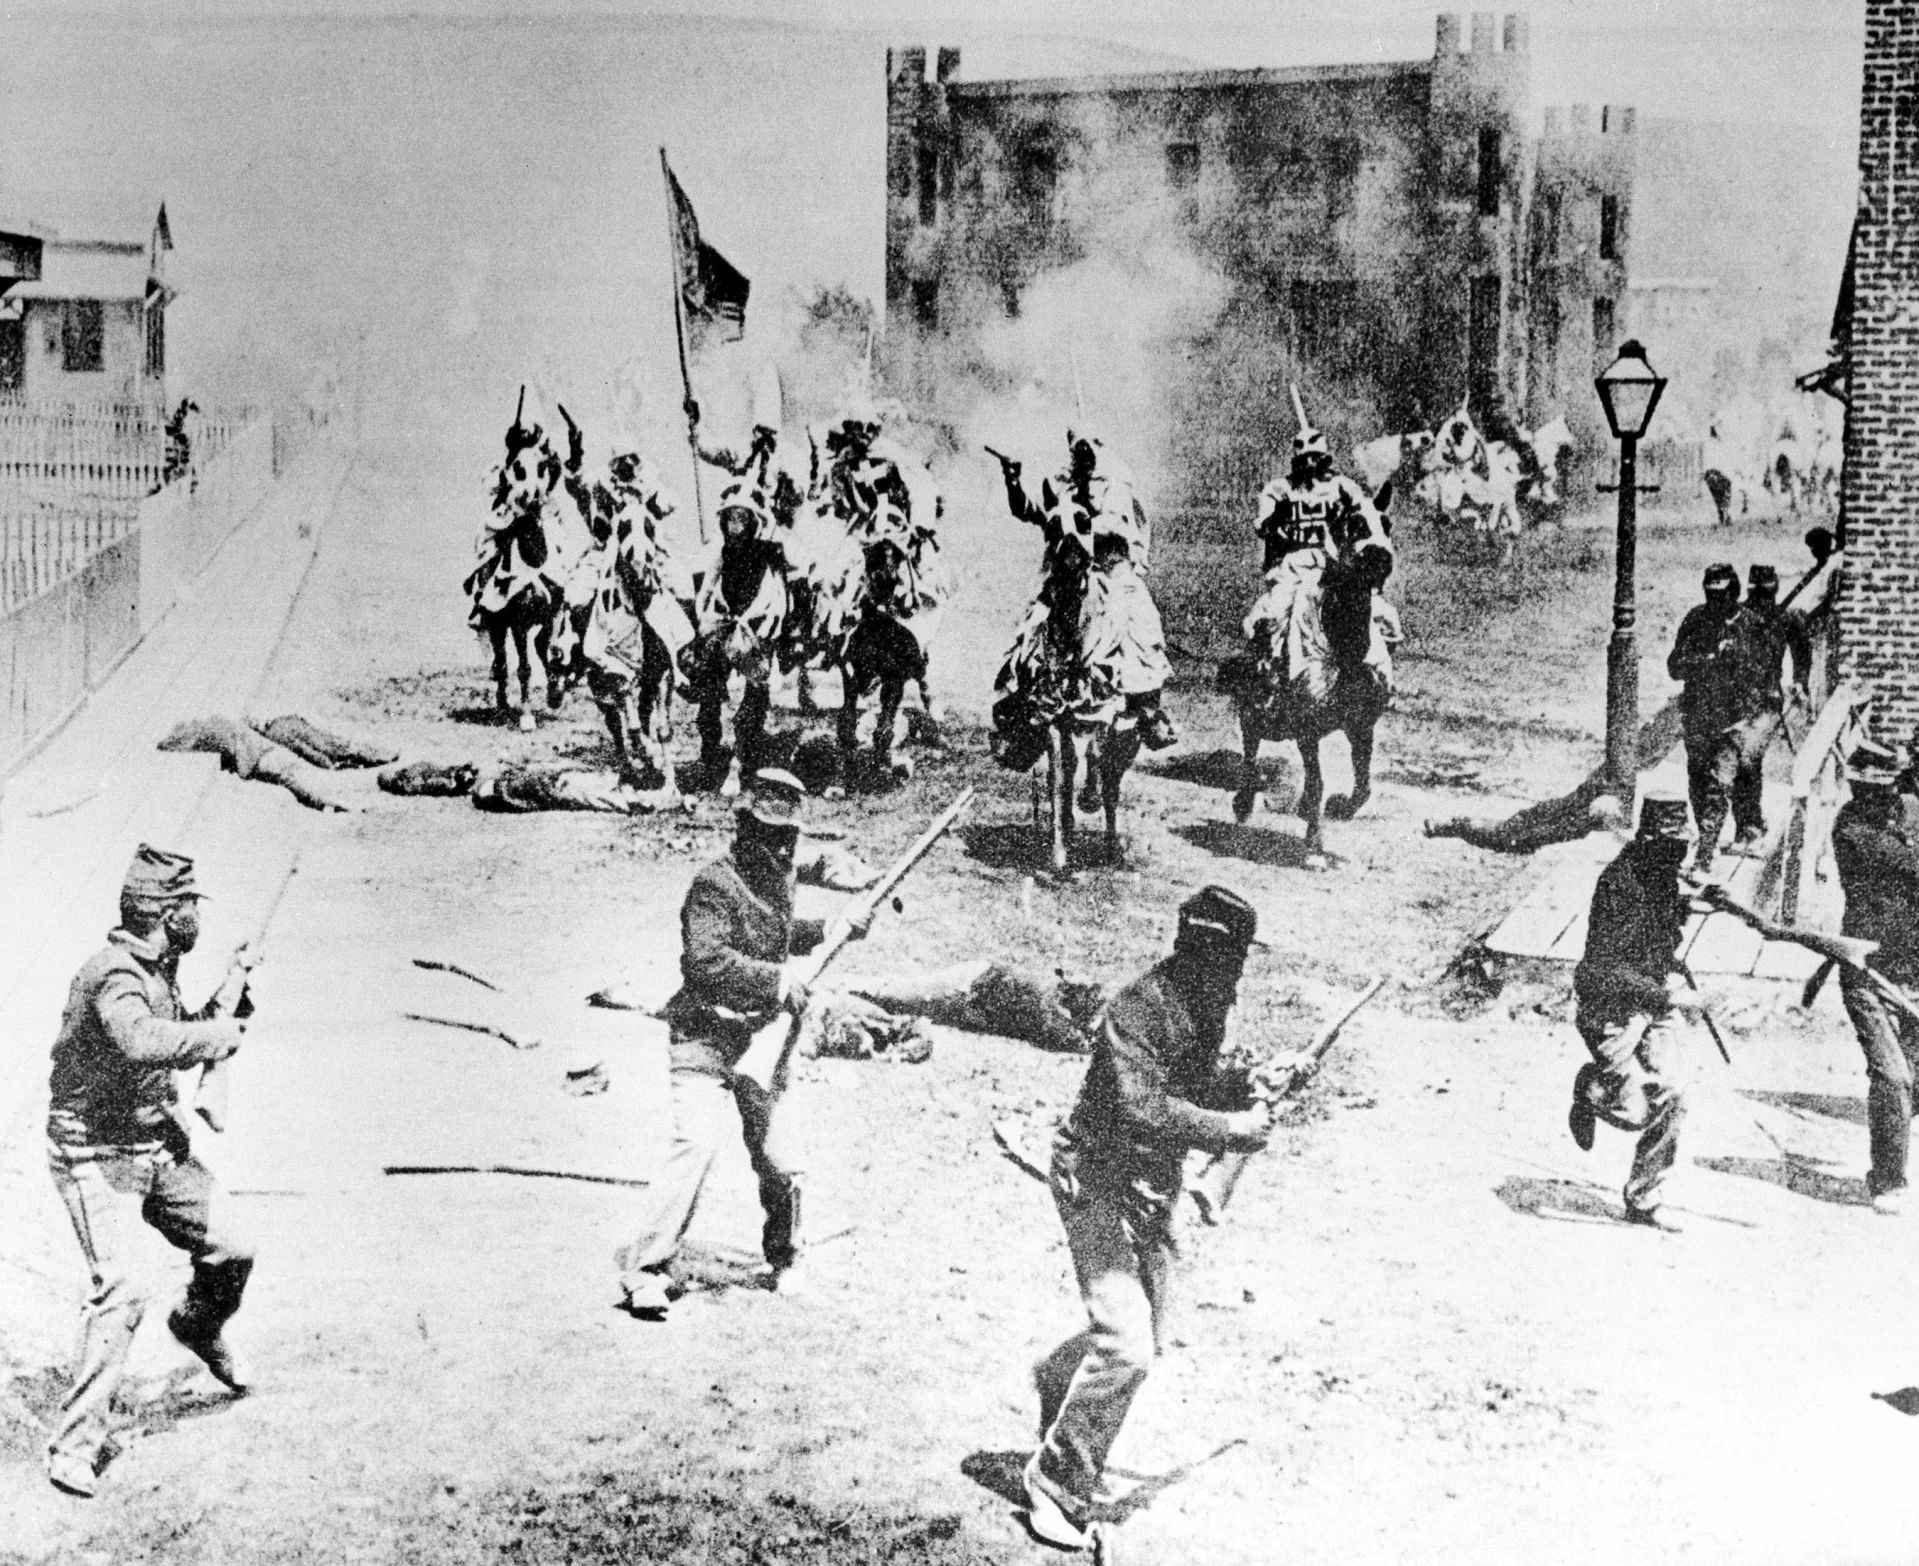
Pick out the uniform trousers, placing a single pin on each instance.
(107, 1191)
(706, 1106)
(1890, 1040)
(1630, 1090)
(1124, 1259)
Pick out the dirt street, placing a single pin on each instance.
(1421, 1334)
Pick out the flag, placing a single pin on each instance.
(712, 290)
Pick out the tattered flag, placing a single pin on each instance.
(712, 290)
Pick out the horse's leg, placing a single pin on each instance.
(1115, 757)
(526, 677)
(1312, 797)
(1248, 795)
(1059, 797)
(853, 682)
(1359, 739)
(496, 633)
(656, 709)
(892, 692)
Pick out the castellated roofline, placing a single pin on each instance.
(1187, 81)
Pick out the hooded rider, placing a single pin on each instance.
(512, 547)
(1091, 505)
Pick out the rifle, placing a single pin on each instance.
(1839, 951)
(210, 1098)
(766, 1056)
(1214, 1187)
(1705, 1016)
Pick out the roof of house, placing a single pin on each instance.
(116, 217)
(90, 271)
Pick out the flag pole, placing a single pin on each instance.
(679, 336)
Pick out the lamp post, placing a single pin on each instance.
(1629, 390)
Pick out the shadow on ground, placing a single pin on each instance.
(1795, 1175)
(1833, 1106)
(1562, 1201)
(1255, 845)
(1003, 1473)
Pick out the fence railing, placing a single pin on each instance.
(116, 451)
(43, 542)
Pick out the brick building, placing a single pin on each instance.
(1879, 599)
(1393, 231)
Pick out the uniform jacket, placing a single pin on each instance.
(122, 1032)
(1140, 1108)
(734, 938)
(1638, 915)
(1879, 871)
(1711, 656)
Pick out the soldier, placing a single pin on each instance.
(1311, 514)
(1769, 632)
(1116, 1177)
(1626, 996)
(737, 929)
(1708, 658)
(1875, 843)
(119, 1150)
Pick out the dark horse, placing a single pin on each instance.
(526, 616)
(880, 651)
(1335, 691)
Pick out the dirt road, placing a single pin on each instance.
(1420, 1335)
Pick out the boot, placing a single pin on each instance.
(780, 1235)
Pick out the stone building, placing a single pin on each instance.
(1397, 232)
(1878, 336)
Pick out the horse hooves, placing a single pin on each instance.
(1317, 860)
(1244, 803)
(527, 724)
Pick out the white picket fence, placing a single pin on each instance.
(43, 541)
(113, 451)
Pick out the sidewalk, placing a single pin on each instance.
(71, 817)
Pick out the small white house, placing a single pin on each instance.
(91, 329)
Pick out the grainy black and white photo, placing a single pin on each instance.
(958, 783)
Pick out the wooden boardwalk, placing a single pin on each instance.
(1549, 921)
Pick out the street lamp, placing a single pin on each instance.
(1629, 390)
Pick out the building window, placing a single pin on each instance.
(1609, 228)
(1482, 343)
(156, 358)
(1605, 328)
(83, 336)
(1490, 174)
(926, 303)
(1182, 164)
(929, 184)
(1035, 180)
(1325, 321)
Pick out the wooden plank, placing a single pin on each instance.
(1564, 892)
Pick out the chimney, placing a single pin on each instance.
(1518, 32)
(1483, 32)
(1582, 118)
(1448, 35)
(948, 65)
(910, 65)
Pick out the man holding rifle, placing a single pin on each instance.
(738, 933)
(1118, 1163)
(1624, 988)
(1875, 844)
(118, 1146)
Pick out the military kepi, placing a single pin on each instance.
(1663, 818)
(775, 798)
(156, 878)
(1216, 915)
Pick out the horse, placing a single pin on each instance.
(1404, 459)
(1335, 690)
(614, 642)
(526, 614)
(884, 650)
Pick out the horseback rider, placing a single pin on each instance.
(512, 547)
(739, 615)
(1088, 508)
(1310, 517)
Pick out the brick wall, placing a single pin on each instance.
(1879, 600)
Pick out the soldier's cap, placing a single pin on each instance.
(1216, 915)
(775, 798)
(157, 879)
(1873, 765)
(1663, 818)
(1721, 573)
(1761, 577)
